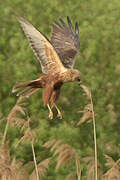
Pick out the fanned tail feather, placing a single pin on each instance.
(27, 88)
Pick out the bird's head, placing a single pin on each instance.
(76, 75)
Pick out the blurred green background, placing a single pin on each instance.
(99, 62)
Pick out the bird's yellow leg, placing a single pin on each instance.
(59, 115)
(50, 112)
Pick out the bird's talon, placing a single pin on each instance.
(59, 115)
(51, 115)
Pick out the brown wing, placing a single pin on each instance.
(65, 41)
(42, 48)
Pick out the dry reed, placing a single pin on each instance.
(66, 155)
(92, 114)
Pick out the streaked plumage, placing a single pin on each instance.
(56, 57)
(43, 49)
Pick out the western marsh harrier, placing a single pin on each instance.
(57, 58)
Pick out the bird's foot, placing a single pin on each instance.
(50, 112)
(59, 115)
(50, 115)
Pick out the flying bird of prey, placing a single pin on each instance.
(57, 58)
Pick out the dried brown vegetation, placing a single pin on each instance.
(114, 172)
(66, 155)
(89, 113)
(12, 168)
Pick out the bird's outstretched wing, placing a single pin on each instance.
(42, 48)
(65, 41)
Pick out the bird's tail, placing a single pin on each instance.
(27, 88)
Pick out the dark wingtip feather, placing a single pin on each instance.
(69, 23)
(76, 29)
(58, 24)
(62, 22)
